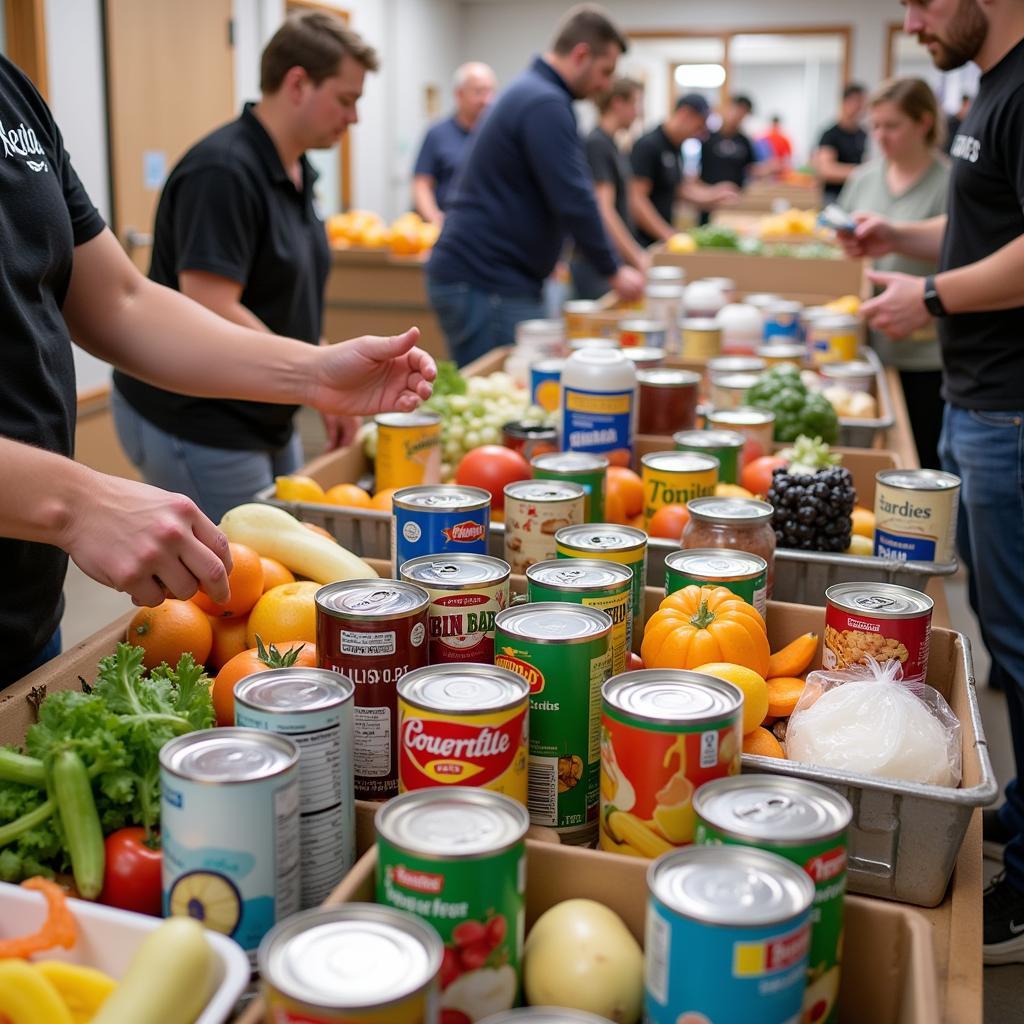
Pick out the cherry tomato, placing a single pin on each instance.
(451, 966)
(131, 878)
(492, 467)
(474, 957)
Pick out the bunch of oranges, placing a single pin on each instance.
(624, 503)
(409, 235)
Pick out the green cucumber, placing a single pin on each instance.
(15, 767)
(81, 822)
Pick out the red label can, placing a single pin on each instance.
(373, 631)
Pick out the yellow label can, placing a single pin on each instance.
(408, 449)
(673, 478)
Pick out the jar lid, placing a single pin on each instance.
(665, 377)
(730, 510)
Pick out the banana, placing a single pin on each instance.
(83, 989)
(28, 997)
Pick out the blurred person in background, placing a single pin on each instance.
(524, 186)
(841, 147)
(775, 144)
(909, 181)
(658, 176)
(953, 121)
(727, 154)
(619, 107)
(444, 145)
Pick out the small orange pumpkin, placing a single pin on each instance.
(698, 625)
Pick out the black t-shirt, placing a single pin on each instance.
(983, 353)
(656, 158)
(610, 166)
(849, 147)
(44, 214)
(726, 158)
(229, 208)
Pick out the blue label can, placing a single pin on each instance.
(727, 937)
(782, 321)
(439, 519)
(599, 421)
(546, 383)
(229, 819)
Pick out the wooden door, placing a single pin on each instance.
(170, 80)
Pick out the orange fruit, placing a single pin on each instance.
(228, 638)
(626, 483)
(762, 741)
(669, 521)
(382, 499)
(250, 661)
(614, 508)
(320, 530)
(275, 573)
(348, 495)
(863, 520)
(287, 612)
(245, 581)
(170, 630)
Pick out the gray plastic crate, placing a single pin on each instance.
(862, 433)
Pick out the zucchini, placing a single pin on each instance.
(83, 835)
(15, 767)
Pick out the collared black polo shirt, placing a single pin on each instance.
(659, 160)
(229, 208)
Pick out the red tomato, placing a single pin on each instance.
(756, 476)
(131, 878)
(491, 467)
(751, 450)
(635, 662)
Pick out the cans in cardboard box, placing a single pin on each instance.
(535, 510)
(588, 469)
(673, 478)
(915, 515)
(408, 449)
(439, 519)
(746, 575)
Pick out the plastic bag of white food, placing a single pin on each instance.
(869, 721)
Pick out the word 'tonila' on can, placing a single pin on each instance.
(674, 478)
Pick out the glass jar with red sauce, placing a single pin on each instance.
(667, 400)
(736, 524)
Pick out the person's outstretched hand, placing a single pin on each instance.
(371, 374)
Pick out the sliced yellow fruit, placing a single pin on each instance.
(208, 897)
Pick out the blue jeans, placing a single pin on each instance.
(986, 450)
(475, 321)
(216, 479)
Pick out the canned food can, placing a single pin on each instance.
(726, 366)
(834, 339)
(726, 285)
(564, 653)
(702, 338)
(728, 937)
(745, 574)
(438, 520)
(408, 449)
(643, 334)
(578, 316)
(857, 376)
(915, 515)
(724, 445)
(546, 384)
(358, 963)
(229, 829)
(611, 543)
(588, 469)
(466, 592)
(673, 478)
(756, 425)
(373, 632)
(808, 315)
(601, 341)
(808, 825)
(457, 859)
(729, 391)
(880, 620)
(313, 708)
(667, 400)
(664, 732)
(464, 725)
(592, 583)
(543, 336)
(782, 320)
(535, 510)
(783, 354)
(645, 358)
(761, 300)
(529, 439)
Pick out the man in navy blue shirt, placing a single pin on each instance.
(524, 186)
(445, 143)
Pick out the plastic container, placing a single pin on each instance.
(703, 298)
(742, 328)
(599, 404)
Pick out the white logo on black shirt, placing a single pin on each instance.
(22, 141)
(965, 147)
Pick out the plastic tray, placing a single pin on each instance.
(864, 433)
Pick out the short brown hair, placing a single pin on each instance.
(620, 89)
(316, 42)
(915, 98)
(587, 23)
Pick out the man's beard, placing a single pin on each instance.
(965, 36)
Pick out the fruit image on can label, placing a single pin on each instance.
(674, 478)
(535, 510)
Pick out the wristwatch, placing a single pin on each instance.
(932, 302)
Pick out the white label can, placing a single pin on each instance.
(915, 515)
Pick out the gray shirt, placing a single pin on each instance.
(868, 191)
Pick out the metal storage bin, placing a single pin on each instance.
(863, 433)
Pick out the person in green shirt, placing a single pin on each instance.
(907, 182)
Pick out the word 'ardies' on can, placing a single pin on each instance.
(457, 859)
(807, 824)
(664, 733)
(439, 520)
(588, 469)
(229, 817)
(674, 478)
(728, 936)
(313, 708)
(746, 575)
(466, 592)
(464, 725)
(724, 445)
(535, 510)
(878, 620)
(564, 653)
(408, 449)
(609, 542)
(915, 515)
(373, 631)
(357, 962)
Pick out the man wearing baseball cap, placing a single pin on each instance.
(658, 178)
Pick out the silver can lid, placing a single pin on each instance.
(569, 462)
(350, 957)
(454, 572)
(441, 496)
(551, 622)
(581, 306)
(538, 492)
(716, 563)
(672, 695)
(228, 755)
(548, 365)
(724, 365)
(294, 690)
(837, 322)
(601, 537)
(419, 418)
(540, 326)
(761, 299)
(571, 575)
(742, 417)
(371, 600)
(667, 377)
(765, 807)
(468, 688)
(452, 823)
(648, 326)
(879, 600)
(735, 886)
(643, 356)
(736, 381)
(679, 462)
(853, 368)
(701, 323)
(784, 306)
(782, 350)
(918, 479)
(585, 344)
(730, 510)
(709, 439)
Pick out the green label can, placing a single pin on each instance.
(593, 584)
(746, 575)
(564, 652)
(456, 858)
(724, 445)
(609, 542)
(588, 469)
(807, 824)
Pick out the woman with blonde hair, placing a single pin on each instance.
(907, 181)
